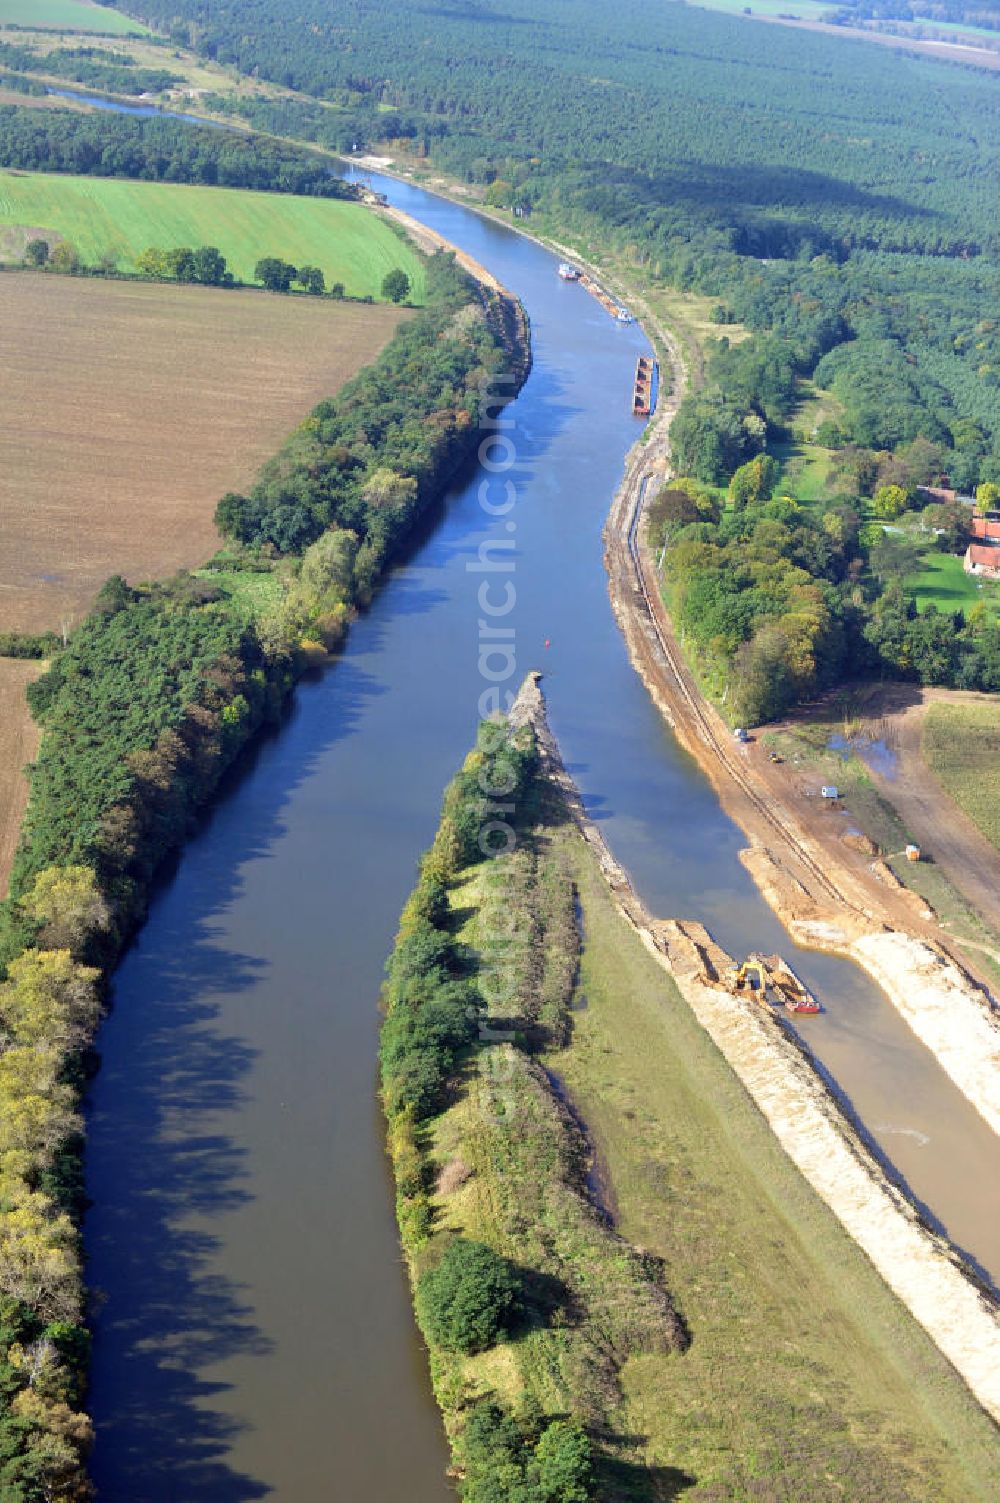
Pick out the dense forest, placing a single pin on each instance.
(158, 150)
(836, 202)
(822, 191)
(153, 697)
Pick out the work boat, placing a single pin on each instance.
(772, 979)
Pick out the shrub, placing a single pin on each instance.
(562, 1457)
(395, 285)
(469, 1300)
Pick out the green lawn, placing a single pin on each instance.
(255, 594)
(350, 243)
(66, 14)
(961, 743)
(942, 581)
(805, 465)
(804, 471)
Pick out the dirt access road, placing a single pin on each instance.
(827, 895)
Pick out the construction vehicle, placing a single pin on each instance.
(751, 976)
(771, 979)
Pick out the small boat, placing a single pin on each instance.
(568, 272)
(788, 990)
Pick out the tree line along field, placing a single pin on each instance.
(59, 14)
(102, 379)
(103, 216)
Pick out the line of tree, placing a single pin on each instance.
(458, 1016)
(368, 460)
(153, 697)
(159, 150)
(278, 275)
(96, 67)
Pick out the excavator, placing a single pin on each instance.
(750, 975)
(760, 973)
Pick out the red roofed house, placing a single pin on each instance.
(983, 559)
(985, 531)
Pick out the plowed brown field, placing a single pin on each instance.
(129, 408)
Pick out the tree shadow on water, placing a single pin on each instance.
(166, 1174)
(158, 1171)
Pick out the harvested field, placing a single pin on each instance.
(961, 743)
(130, 408)
(18, 745)
(119, 217)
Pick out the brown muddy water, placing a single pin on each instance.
(253, 1335)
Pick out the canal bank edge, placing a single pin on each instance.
(961, 1316)
(43, 1229)
(822, 903)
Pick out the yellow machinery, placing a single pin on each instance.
(750, 975)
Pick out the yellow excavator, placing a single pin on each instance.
(750, 975)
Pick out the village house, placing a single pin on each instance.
(983, 560)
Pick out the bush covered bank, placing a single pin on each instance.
(96, 67)
(369, 459)
(530, 1304)
(154, 696)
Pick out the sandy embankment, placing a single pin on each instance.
(922, 1269)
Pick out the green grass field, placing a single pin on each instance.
(961, 744)
(350, 243)
(66, 15)
(942, 581)
(804, 471)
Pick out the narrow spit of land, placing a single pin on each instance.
(652, 1116)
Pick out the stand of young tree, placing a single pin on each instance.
(779, 601)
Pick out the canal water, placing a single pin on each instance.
(253, 1334)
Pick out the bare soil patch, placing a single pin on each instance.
(129, 408)
(18, 746)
